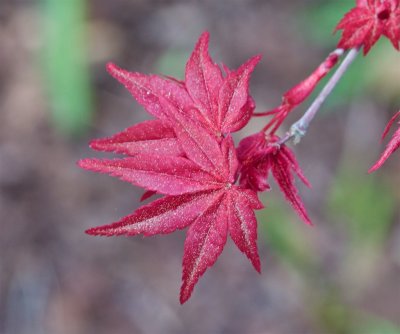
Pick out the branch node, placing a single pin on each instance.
(297, 131)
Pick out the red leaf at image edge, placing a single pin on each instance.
(368, 21)
(391, 147)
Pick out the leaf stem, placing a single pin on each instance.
(299, 128)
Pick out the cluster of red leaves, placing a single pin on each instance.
(259, 154)
(368, 21)
(391, 147)
(362, 27)
(187, 154)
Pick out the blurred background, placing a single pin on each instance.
(341, 276)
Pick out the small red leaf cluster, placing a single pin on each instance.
(391, 147)
(364, 24)
(259, 155)
(187, 154)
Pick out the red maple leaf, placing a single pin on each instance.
(391, 147)
(368, 21)
(188, 155)
(259, 154)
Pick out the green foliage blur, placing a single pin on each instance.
(65, 65)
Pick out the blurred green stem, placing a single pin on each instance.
(66, 72)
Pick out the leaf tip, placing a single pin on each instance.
(84, 163)
(310, 223)
(205, 37)
(117, 73)
(376, 166)
(307, 183)
(252, 62)
(93, 231)
(105, 231)
(257, 266)
(112, 68)
(96, 144)
(185, 294)
(257, 57)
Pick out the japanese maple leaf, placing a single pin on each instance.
(391, 147)
(259, 155)
(186, 154)
(368, 21)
